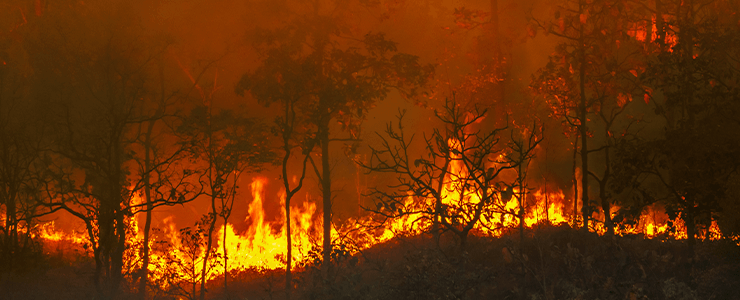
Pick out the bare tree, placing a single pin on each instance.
(453, 183)
(20, 154)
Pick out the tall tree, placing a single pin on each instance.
(592, 73)
(695, 76)
(342, 77)
(21, 139)
(96, 82)
(226, 145)
(522, 146)
(565, 87)
(281, 80)
(162, 178)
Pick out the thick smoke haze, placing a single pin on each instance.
(205, 47)
(208, 42)
(102, 102)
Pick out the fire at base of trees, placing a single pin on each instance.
(370, 149)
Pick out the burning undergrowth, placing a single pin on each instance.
(519, 164)
(554, 262)
(375, 257)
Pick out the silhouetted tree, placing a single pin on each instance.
(21, 140)
(695, 76)
(522, 146)
(163, 177)
(343, 76)
(453, 183)
(593, 74)
(97, 83)
(226, 145)
(281, 80)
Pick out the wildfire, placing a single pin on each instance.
(47, 231)
(548, 207)
(263, 245)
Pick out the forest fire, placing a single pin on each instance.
(389, 149)
(263, 246)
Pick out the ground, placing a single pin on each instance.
(554, 263)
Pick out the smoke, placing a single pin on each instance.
(205, 45)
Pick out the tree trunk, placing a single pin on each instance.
(606, 207)
(584, 130)
(686, 39)
(145, 251)
(326, 191)
(289, 258)
(105, 247)
(288, 128)
(149, 206)
(98, 268)
(575, 183)
(226, 260)
(605, 199)
(215, 191)
(521, 202)
(117, 255)
(207, 254)
(226, 213)
(436, 230)
(118, 242)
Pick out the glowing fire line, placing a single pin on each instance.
(263, 245)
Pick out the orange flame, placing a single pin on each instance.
(263, 245)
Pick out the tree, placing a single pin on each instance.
(454, 183)
(593, 73)
(96, 83)
(696, 77)
(162, 178)
(291, 125)
(522, 148)
(567, 88)
(227, 145)
(341, 77)
(182, 257)
(20, 153)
